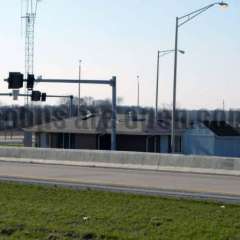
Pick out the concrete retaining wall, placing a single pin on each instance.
(125, 158)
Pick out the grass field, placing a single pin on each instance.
(31, 212)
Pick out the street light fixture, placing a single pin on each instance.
(161, 54)
(181, 51)
(223, 4)
(180, 21)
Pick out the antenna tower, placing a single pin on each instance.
(30, 7)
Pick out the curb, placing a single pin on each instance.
(125, 166)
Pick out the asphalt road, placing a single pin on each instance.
(200, 186)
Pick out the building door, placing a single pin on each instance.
(105, 142)
(68, 141)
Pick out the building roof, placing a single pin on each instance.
(221, 128)
(101, 124)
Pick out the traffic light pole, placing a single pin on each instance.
(112, 83)
(70, 103)
(48, 96)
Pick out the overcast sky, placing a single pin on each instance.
(122, 38)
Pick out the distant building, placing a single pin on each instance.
(138, 134)
(6, 124)
(94, 132)
(212, 138)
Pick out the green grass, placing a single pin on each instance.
(32, 212)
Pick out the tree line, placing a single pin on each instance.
(19, 117)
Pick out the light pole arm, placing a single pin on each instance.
(165, 51)
(162, 54)
(188, 17)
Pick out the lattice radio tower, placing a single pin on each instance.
(30, 7)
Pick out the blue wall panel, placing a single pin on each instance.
(198, 141)
(227, 146)
(198, 144)
(202, 141)
(164, 144)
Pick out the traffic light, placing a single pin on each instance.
(36, 96)
(44, 97)
(30, 81)
(15, 80)
(15, 94)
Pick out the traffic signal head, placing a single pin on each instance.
(36, 96)
(15, 94)
(44, 97)
(15, 80)
(30, 81)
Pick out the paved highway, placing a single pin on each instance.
(226, 188)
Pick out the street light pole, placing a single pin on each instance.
(160, 54)
(157, 85)
(180, 21)
(174, 89)
(79, 86)
(138, 93)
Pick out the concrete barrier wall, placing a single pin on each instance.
(133, 158)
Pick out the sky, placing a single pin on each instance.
(121, 38)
